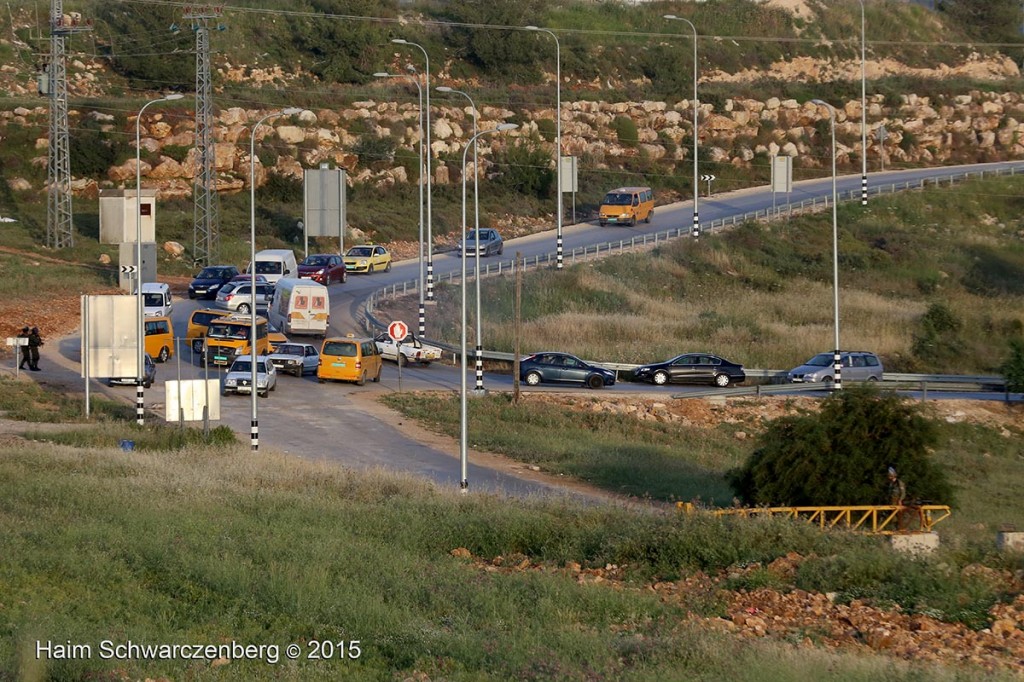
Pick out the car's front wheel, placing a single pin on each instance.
(722, 380)
(243, 308)
(387, 268)
(532, 378)
(164, 354)
(595, 381)
(660, 378)
(197, 346)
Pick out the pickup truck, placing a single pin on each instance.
(412, 349)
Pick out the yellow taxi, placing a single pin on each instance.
(159, 341)
(367, 258)
(349, 358)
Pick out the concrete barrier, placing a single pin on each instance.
(1010, 541)
(917, 544)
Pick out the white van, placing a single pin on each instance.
(300, 306)
(156, 299)
(275, 264)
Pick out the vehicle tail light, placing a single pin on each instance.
(359, 364)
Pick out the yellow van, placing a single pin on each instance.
(627, 205)
(198, 322)
(349, 359)
(228, 337)
(159, 338)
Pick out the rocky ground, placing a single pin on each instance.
(806, 619)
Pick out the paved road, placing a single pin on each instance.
(343, 423)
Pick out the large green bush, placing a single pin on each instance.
(841, 454)
(1013, 367)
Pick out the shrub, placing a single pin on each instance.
(938, 339)
(374, 151)
(525, 168)
(626, 131)
(841, 455)
(1013, 367)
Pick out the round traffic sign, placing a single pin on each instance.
(398, 330)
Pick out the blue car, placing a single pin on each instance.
(563, 368)
(209, 281)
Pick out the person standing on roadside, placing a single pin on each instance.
(34, 342)
(25, 353)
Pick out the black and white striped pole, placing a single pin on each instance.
(696, 112)
(837, 364)
(863, 116)
(463, 394)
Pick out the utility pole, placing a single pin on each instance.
(517, 326)
(59, 225)
(206, 230)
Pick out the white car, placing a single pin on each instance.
(413, 349)
(295, 358)
(239, 377)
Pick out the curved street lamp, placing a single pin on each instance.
(837, 365)
(140, 358)
(463, 418)
(254, 427)
(476, 231)
(430, 153)
(558, 141)
(419, 181)
(696, 187)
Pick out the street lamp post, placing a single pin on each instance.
(863, 115)
(463, 418)
(696, 187)
(419, 119)
(254, 427)
(558, 142)
(837, 366)
(140, 358)
(430, 153)
(476, 231)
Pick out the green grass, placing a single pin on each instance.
(197, 546)
(761, 293)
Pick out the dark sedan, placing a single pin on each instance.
(692, 368)
(563, 368)
(209, 281)
(323, 268)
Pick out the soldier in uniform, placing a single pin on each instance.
(34, 342)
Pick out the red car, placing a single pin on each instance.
(323, 268)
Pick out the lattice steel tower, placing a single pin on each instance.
(206, 232)
(59, 227)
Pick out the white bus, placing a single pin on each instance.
(300, 306)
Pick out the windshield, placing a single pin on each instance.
(246, 366)
(153, 300)
(266, 267)
(220, 330)
(315, 260)
(360, 251)
(288, 349)
(614, 199)
(212, 273)
(820, 360)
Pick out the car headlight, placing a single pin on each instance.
(239, 350)
(230, 382)
(213, 286)
(363, 262)
(261, 381)
(320, 271)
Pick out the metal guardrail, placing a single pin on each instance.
(883, 519)
(507, 266)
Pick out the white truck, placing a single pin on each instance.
(412, 349)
